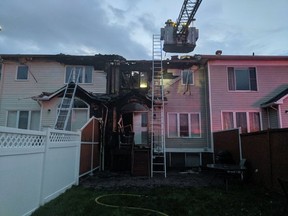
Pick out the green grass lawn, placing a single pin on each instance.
(243, 200)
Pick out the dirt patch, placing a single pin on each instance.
(111, 180)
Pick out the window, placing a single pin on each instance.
(144, 119)
(134, 79)
(22, 72)
(79, 115)
(187, 77)
(84, 72)
(242, 79)
(24, 119)
(248, 121)
(143, 80)
(184, 125)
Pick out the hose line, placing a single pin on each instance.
(97, 200)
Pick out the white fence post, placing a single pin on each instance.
(43, 167)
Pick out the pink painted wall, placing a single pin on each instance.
(272, 78)
(194, 100)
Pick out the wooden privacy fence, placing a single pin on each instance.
(36, 167)
(266, 153)
(90, 147)
(228, 140)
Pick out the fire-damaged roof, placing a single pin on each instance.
(132, 96)
(80, 93)
(98, 61)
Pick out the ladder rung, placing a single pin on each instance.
(159, 171)
(157, 164)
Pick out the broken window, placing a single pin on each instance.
(134, 80)
(143, 80)
(187, 77)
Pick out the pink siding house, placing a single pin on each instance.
(249, 92)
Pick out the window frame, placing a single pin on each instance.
(232, 78)
(178, 129)
(234, 120)
(73, 111)
(84, 73)
(192, 77)
(17, 71)
(29, 119)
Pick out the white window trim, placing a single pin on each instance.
(16, 74)
(178, 125)
(242, 67)
(84, 72)
(247, 118)
(29, 117)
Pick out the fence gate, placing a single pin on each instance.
(90, 147)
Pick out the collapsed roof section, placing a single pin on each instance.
(80, 93)
(109, 100)
(98, 61)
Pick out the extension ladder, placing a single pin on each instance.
(66, 105)
(158, 153)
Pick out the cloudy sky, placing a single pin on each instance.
(125, 27)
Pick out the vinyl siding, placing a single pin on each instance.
(42, 77)
(271, 79)
(195, 102)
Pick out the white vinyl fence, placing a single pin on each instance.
(35, 167)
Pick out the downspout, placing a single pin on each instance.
(102, 148)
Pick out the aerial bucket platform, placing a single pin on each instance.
(178, 36)
(178, 43)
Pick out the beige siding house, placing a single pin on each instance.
(25, 76)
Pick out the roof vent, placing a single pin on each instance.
(218, 52)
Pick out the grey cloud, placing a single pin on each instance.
(50, 26)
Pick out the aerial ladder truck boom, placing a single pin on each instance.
(179, 36)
